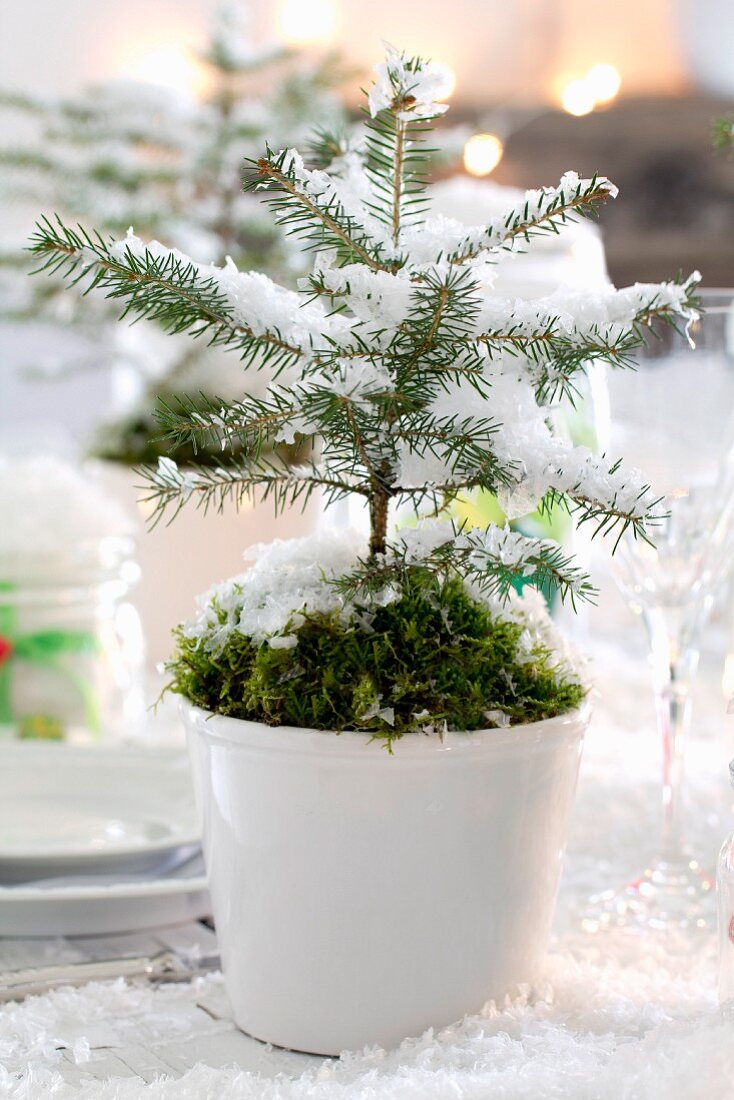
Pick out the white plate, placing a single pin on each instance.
(71, 908)
(69, 810)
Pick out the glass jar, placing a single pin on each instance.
(725, 889)
(71, 645)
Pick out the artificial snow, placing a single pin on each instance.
(255, 301)
(350, 190)
(359, 381)
(287, 579)
(440, 234)
(424, 84)
(51, 507)
(376, 297)
(291, 578)
(572, 257)
(478, 201)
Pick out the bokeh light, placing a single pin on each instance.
(169, 66)
(307, 21)
(577, 98)
(482, 154)
(604, 81)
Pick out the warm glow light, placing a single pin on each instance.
(577, 98)
(448, 80)
(169, 66)
(482, 154)
(303, 21)
(604, 82)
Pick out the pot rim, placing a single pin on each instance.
(258, 736)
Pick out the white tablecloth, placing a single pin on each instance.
(620, 1016)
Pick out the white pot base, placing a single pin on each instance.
(361, 898)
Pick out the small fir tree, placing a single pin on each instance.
(415, 383)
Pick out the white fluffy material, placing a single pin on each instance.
(255, 300)
(350, 190)
(289, 578)
(50, 506)
(425, 84)
(448, 234)
(602, 1031)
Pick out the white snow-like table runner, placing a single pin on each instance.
(619, 1016)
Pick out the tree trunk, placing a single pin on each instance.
(379, 507)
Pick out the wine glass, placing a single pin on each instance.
(673, 419)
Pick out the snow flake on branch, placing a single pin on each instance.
(376, 297)
(410, 87)
(358, 380)
(254, 300)
(541, 211)
(500, 545)
(490, 560)
(346, 194)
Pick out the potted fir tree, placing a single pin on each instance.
(362, 895)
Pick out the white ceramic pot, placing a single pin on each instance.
(181, 559)
(362, 897)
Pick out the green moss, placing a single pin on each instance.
(435, 655)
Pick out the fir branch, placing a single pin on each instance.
(170, 487)
(552, 209)
(613, 343)
(396, 158)
(492, 561)
(325, 146)
(248, 423)
(564, 357)
(441, 315)
(219, 55)
(464, 445)
(23, 159)
(723, 135)
(167, 290)
(321, 221)
(608, 517)
(394, 164)
(105, 168)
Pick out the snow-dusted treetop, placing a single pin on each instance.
(414, 379)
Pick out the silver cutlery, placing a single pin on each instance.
(166, 966)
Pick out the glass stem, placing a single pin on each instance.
(674, 653)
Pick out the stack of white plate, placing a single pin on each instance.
(97, 840)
